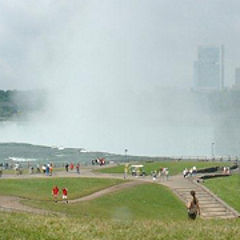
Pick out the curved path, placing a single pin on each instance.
(12, 203)
(112, 189)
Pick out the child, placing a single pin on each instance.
(55, 192)
(64, 194)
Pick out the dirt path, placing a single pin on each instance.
(12, 204)
(112, 189)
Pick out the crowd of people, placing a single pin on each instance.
(138, 170)
(46, 169)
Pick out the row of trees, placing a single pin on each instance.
(15, 103)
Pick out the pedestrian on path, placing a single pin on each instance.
(55, 192)
(66, 167)
(64, 194)
(78, 168)
(1, 169)
(193, 206)
(125, 171)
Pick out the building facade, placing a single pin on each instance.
(209, 68)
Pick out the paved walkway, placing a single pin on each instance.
(211, 206)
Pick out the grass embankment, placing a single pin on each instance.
(40, 189)
(25, 226)
(146, 201)
(175, 167)
(227, 188)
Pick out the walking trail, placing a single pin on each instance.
(13, 203)
(211, 206)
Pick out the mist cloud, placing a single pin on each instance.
(113, 70)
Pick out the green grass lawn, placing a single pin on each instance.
(31, 227)
(175, 167)
(146, 201)
(227, 188)
(40, 189)
(148, 211)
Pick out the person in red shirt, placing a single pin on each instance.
(55, 192)
(64, 194)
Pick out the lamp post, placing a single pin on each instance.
(126, 154)
(212, 150)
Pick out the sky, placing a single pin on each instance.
(115, 71)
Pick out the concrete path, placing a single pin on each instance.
(211, 206)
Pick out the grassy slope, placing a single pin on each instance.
(227, 188)
(147, 201)
(40, 188)
(25, 226)
(174, 166)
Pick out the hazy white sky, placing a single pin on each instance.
(101, 59)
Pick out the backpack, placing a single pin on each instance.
(193, 208)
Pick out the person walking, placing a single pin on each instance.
(125, 171)
(78, 168)
(64, 194)
(1, 169)
(50, 169)
(55, 192)
(66, 167)
(193, 206)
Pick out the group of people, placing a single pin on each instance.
(46, 169)
(99, 161)
(189, 173)
(162, 173)
(226, 170)
(71, 167)
(55, 193)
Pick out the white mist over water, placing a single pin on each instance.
(118, 74)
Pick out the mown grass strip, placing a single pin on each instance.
(146, 201)
(227, 188)
(25, 226)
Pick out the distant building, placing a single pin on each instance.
(209, 68)
(237, 78)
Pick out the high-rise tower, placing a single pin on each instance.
(209, 68)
